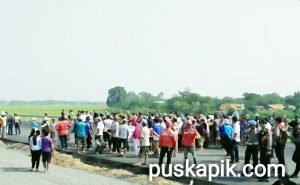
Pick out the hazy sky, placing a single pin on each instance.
(78, 50)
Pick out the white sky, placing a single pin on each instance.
(78, 50)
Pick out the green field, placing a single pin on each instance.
(50, 109)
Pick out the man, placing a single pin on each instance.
(115, 134)
(252, 144)
(100, 144)
(280, 139)
(227, 137)
(123, 136)
(17, 122)
(107, 130)
(189, 135)
(62, 128)
(167, 144)
(235, 140)
(80, 130)
(144, 144)
(10, 123)
(157, 130)
(265, 145)
(34, 124)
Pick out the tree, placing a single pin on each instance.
(116, 96)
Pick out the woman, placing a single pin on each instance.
(35, 143)
(47, 149)
(296, 155)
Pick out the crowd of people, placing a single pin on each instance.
(163, 134)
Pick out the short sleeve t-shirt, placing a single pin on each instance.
(80, 129)
(46, 144)
(100, 128)
(237, 130)
(146, 136)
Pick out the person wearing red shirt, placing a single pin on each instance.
(62, 128)
(167, 144)
(189, 135)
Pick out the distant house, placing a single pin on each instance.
(234, 106)
(290, 107)
(275, 107)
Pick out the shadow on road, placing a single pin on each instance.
(14, 169)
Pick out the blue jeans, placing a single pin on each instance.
(63, 141)
(189, 149)
(235, 151)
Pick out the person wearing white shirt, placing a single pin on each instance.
(235, 140)
(123, 136)
(100, 144)
(107, 130)
(35, 143)
(115, 135)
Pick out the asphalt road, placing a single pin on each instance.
(15, 169)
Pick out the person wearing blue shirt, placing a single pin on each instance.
(157, 130)
(227, 136)
(34, 124)
(80, 133)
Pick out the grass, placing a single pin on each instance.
(50, 109)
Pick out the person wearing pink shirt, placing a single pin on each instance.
(62, 128)
(136, 134)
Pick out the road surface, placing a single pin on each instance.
(15, 170)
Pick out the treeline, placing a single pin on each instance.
(187, 101)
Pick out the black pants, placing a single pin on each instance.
(235, 151)
(116, 146)
(265, 160)
(17, 129)
(63, 141)
(279, 151)
(227, 145)
(164, 150)
(35, 158)
(251, 150)
(107, 138)
(89, 142)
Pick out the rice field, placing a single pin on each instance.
(54, 110)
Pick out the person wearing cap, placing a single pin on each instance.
(265, 145)
(189, 135)
(144, 144)
(252, 144)
(167, 144)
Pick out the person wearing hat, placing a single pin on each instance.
(252, 144)
(265, 145)
(189, 135)
(17, 123)
(34, 124)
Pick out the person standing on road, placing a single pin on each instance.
(100, 143)
(252, 144)
(80, 130)
(34, 124)
(62, 128)
(235, 140)
(115, 135)
(89, 131)
(107, 130)
(227, 137)
(296, 155)
(157, 130)
(47, 148)
(265, 146)
(167, 144)
(3, 125)
(144, 144)
(136, 134)
(10, 124)
(280, 139)
(35, 143)
(189, 135)
(123, 136)
(17, 123)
